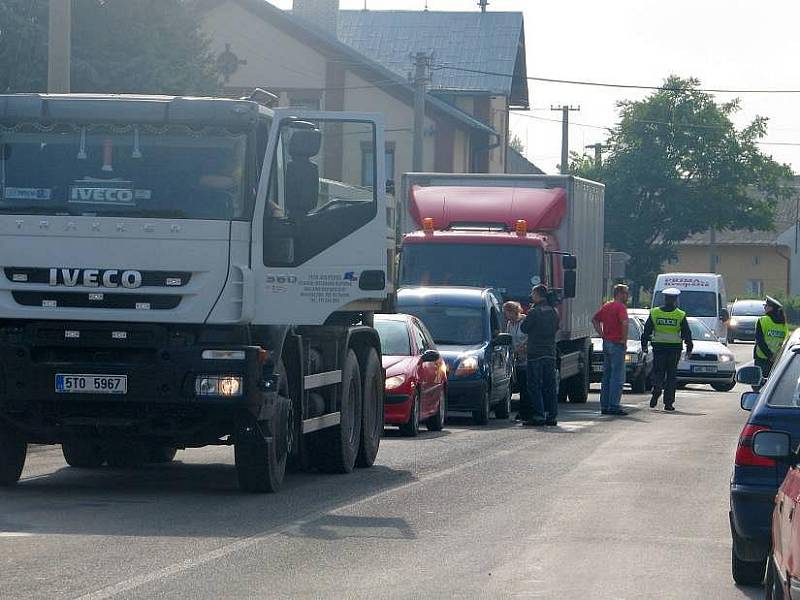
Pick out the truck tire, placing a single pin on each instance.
(125, 456)
(371, 411)
(260, 452)
(13, 451)
(746, 572)
(296, 442)
(336, 448)
(161, 455)
(578, 385)
(83, 454)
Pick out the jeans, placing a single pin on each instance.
(613, 375)
(542, 390)
(665, 372)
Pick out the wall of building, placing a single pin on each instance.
(749, 271)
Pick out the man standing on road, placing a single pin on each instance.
(541, 326)
(611, 324)
(668, 328)
(771, 332)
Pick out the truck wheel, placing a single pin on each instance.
(160, 455)
(372, 411)
(481, 415)
(83, 454)
(296, 442)
(746, 572)
(260, 452)
(337, 447)
(125, 456)
(503, 410)
(13, 450)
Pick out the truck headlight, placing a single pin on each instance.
(227, 386)
(223, 355)
(468, 366)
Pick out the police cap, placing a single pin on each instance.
(674, 292)
(772, 302)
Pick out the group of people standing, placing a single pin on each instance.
(666, 329)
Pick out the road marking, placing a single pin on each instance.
(15, 534)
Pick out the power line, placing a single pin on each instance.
(627, 86)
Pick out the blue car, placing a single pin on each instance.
(756, 479)
(468, 328)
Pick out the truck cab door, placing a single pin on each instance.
(319, 231)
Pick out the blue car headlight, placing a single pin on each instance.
(467, 366)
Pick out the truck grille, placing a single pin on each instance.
(39, 276)
(97, 300)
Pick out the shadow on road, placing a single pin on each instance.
(179, 499)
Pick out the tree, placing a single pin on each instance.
(118, 46)
(676, 166)
(517, 144)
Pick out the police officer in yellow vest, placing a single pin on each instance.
(668, 329)
(771, 332)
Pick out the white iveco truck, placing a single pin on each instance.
(184, 272)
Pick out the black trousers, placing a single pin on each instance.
(665, 372)
(524, 397)
(766, 366)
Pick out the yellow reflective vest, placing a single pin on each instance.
(774, 335)
(667, 326)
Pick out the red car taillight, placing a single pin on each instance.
(745, 457)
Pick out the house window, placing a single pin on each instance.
(717, 259)
(756, 260)
(368, 163)
(755, 287)
(673, 260)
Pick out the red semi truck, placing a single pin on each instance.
(510, 232)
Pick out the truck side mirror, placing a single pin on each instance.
(570, 284)
(569, 263)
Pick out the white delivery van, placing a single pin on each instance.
(702, 295)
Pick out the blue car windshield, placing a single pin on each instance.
(394, 337)
(450, 325)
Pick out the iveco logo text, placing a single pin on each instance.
(102, 195)
(110, 278)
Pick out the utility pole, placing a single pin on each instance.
(565, 110)
(421, 63)
(60, 47)
(598, 153)
(712, 250)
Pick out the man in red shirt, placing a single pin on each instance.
(611, 323)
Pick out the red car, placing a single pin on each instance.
(416, 375)
(783, 564)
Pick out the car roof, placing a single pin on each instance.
(461, 296)
(393, 317)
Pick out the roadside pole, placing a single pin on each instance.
(565, 110)
(712, 250)
(60, 35)
(421, 64)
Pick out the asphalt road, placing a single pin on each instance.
(599, 507)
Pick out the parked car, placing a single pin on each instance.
(711, 361)
(638, 364)
(756, 479)
(640, 314)
(467, 326)
(783, 563)
(416, 375)
(744, 316)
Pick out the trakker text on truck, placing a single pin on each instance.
(182, 272)
(511, 232)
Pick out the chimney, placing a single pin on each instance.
(321, 14)
(483, 4)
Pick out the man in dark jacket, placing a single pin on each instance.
(541, 326)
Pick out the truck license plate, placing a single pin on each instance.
(704, 369)
(91, 384)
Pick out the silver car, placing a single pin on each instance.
(710, 362)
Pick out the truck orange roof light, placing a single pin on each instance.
(427, 224)
(522, 227)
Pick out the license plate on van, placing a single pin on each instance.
(91, 384)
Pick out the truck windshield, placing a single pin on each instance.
(511, 270)
(123, 171)
(696, 304)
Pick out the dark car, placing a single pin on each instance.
(467, 326)
(416, 375)
(638, 364)
(756, 479)
(744, 316)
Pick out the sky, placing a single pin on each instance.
(727, 44)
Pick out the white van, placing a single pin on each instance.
(702, 295)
